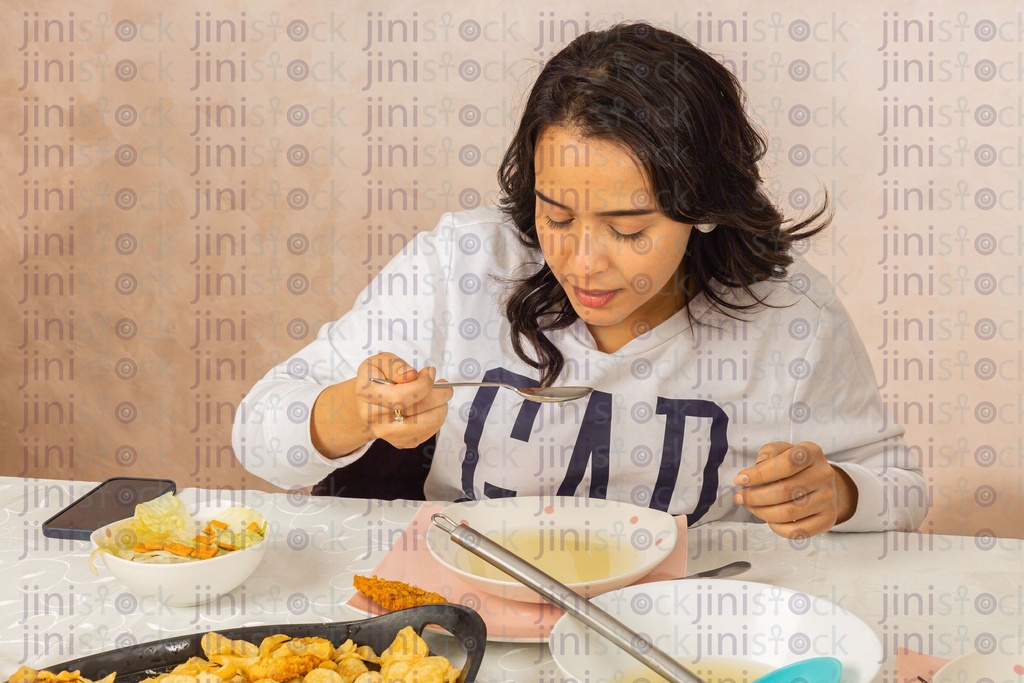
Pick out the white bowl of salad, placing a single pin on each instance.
(163, 553)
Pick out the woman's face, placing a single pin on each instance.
(615, 255)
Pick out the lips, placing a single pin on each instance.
(595, 298)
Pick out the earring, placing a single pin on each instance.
(706, 227)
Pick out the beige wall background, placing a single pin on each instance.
(191, 189)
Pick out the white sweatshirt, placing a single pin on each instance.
(675, 414)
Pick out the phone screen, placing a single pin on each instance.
(111, 501)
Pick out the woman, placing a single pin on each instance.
(635, 252)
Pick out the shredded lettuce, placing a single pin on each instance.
(242, 527)
(162, 519)
(173, 535)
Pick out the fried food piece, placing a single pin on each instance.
(193, 666)
(215, 644)
(282, 659)
(281, 669)
(432, 670)
(27, 674)
(407, 645)
(229, 656)
(178, 678)
(370, 677)
(350, 661)
(394, 595)
(268, 644)
(408, 660)
(351, 668)
(290, 659)
(321, 675)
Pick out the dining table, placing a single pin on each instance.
(940, 595)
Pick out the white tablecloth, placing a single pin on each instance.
(942, 595)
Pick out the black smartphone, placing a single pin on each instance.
(112, 500)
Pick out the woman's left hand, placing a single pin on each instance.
(796, 490)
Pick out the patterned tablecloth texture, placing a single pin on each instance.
(940, 595)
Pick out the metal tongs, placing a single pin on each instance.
(560, 595)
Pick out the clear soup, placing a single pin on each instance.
(711, 669)
(569, 555)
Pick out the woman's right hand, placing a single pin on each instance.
(423, 407)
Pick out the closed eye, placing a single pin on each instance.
(619, 236)
(630, 237)
(558, 224)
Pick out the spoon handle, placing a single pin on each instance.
(560, 595)
(378, 380)
(731, 569)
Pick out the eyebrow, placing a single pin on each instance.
(620, 212)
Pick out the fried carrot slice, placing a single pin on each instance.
(179, 549)
(205, 551)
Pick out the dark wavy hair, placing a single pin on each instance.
(680, 112)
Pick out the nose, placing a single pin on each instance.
(591, 252)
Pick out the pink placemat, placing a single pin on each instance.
(910, 665)
(409, 560)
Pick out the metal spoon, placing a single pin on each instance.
(731, 569)
(560, 595)
(539, 394)
(815, 670)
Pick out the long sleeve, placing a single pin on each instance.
(838, 406)
(400, 311)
